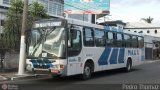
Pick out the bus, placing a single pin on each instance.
(64, 47)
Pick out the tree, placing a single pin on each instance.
(13, 21)
(148, 20)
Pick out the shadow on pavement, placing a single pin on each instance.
(71, 79)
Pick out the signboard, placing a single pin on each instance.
(86, 6)
(47, 24)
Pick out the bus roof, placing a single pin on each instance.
(88, 24)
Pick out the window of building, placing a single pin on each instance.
(127, 40)
(55, 8)
(134, 41)
(99, 38)
(155, 31)
(88, 37)
(6, 1)
(119, 40)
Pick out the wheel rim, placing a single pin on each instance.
(87, 71)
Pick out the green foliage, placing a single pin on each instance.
(37, 10)
(13, 22)
(148, 20)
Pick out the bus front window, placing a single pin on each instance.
(47, 42)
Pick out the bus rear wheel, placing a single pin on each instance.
(128, 65)
(86, 72)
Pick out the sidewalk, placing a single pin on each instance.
(4, 76)
(151, 61)
(7, 75)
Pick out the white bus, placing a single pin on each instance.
(65, 47)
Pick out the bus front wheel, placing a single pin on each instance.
(86, 72)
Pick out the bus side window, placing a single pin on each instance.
(127, 40)
(134, 41)
(140, 42)
(109, 39)
(88, 37)
(119, 40)
(99, 38)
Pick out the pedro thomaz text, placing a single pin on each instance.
(140, 86)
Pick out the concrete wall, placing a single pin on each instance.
(11, 60)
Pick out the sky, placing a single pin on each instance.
(134, 10)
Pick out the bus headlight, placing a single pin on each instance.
(61, 66)
(29, 67)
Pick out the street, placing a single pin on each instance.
(147, 73)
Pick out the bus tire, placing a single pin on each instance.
(87, 71)
(128, 65)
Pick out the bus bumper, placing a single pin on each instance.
(41, 71)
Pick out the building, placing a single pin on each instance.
(145, 28)
(53, 7)
(152, 47)
(151, 37)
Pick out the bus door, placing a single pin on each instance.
(74, 51)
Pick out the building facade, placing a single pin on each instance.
(53, 7)
(145, 28)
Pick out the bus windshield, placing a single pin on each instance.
(47, 42)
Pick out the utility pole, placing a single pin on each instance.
(23, 45)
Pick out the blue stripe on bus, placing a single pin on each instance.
(39, 63)
(34, 62)
(49, 64)
(104, 57)
(121, 56)
(113, 58)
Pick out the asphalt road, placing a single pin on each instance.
(148, 73)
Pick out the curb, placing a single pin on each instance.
(25, 77)
(151, 61)
(3, 78)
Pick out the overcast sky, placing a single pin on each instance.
(134, 10)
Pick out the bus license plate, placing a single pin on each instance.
(54, 71)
